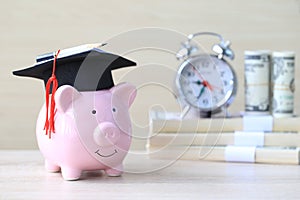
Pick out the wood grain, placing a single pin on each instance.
(22, 176)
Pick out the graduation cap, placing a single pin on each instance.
(86, 68)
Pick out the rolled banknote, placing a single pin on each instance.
(283, 81)
(257, 82)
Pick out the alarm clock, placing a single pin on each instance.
(206, 83)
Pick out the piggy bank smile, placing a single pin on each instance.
(98, 152)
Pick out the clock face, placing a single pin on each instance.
(206, 82)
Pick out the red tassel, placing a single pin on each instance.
(49, 123)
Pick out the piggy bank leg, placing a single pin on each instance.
(50, 167)
(116, 171)
(70, 174)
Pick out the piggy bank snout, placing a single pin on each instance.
(106, 134)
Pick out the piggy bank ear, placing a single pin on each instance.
(125, 92)
(64, 97)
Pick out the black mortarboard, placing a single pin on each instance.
(85, 69)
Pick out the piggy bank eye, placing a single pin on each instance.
(114, 109)
(94, 112)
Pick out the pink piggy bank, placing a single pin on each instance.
(92, 131)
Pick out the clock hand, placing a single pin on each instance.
(204, 82)
(201, 92)
(216, 87)
(197, 72)
(198, 82)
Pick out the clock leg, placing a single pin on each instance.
(205, 114)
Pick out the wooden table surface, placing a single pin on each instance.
(22, 176)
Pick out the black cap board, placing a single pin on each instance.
(86, 70)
